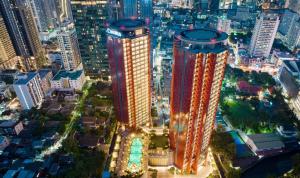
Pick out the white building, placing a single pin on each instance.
(263, 35)
(28, 89)
(68, 80)
(46, 76)
(69, 47)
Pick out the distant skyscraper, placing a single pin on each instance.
(29, 90)
(214, 5)
(120, 9)
(51, 12)
(263, 35)
(289, 28)
(287, 20)
(146, 10)
(293, 5)
(39, 15)
(19, 20)
(65, 12)
(30, 31)
(292, 39)
(199, 63)
(69, 47)
(129, 8)
(7, 9)
(203, 5)
(128, 45)
(7, 50)
(90, 17)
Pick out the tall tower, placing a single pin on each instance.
(263, 35)
(146, 10)
(120, 9)
(130, 8)
(199, 63)
(7, 50)
(19, 20)
(90, 18)
(29, 26)
(69, 47)
(7, 9)
(39, 15)
(128, 45)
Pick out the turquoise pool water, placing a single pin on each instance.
(242, 149)
(135, 156)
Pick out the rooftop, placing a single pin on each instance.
(8, 123)
(127, 24)
(202, 36)
(25, 78)
(2, 138)
(10, 71)
(293, 66)
(43, 72)
(266, 141)
(73, 75)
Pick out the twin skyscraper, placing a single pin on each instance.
(199, 60)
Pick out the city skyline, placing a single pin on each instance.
(142, 88)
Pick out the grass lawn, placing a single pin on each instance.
(160, 141)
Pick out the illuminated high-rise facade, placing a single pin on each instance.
(7, 50)
(22, 29)
(128, 45)
(90, 18)
(199, 63)
(264, 35)
(69, 47)
(120, 9)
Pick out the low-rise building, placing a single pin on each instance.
(9, 75)
(287, 131)
(11, 127)
(68, 80)
(278, 57)
(90, 122)
(160, 157)
(4, 90)
(29, 90)
(4, 142)
(265, 144)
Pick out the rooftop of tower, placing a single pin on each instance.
(127, 24)
(202, 36)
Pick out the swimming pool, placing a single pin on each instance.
(242, 150)
(135, 155)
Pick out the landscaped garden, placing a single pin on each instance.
(253, 102)
(89, 162)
